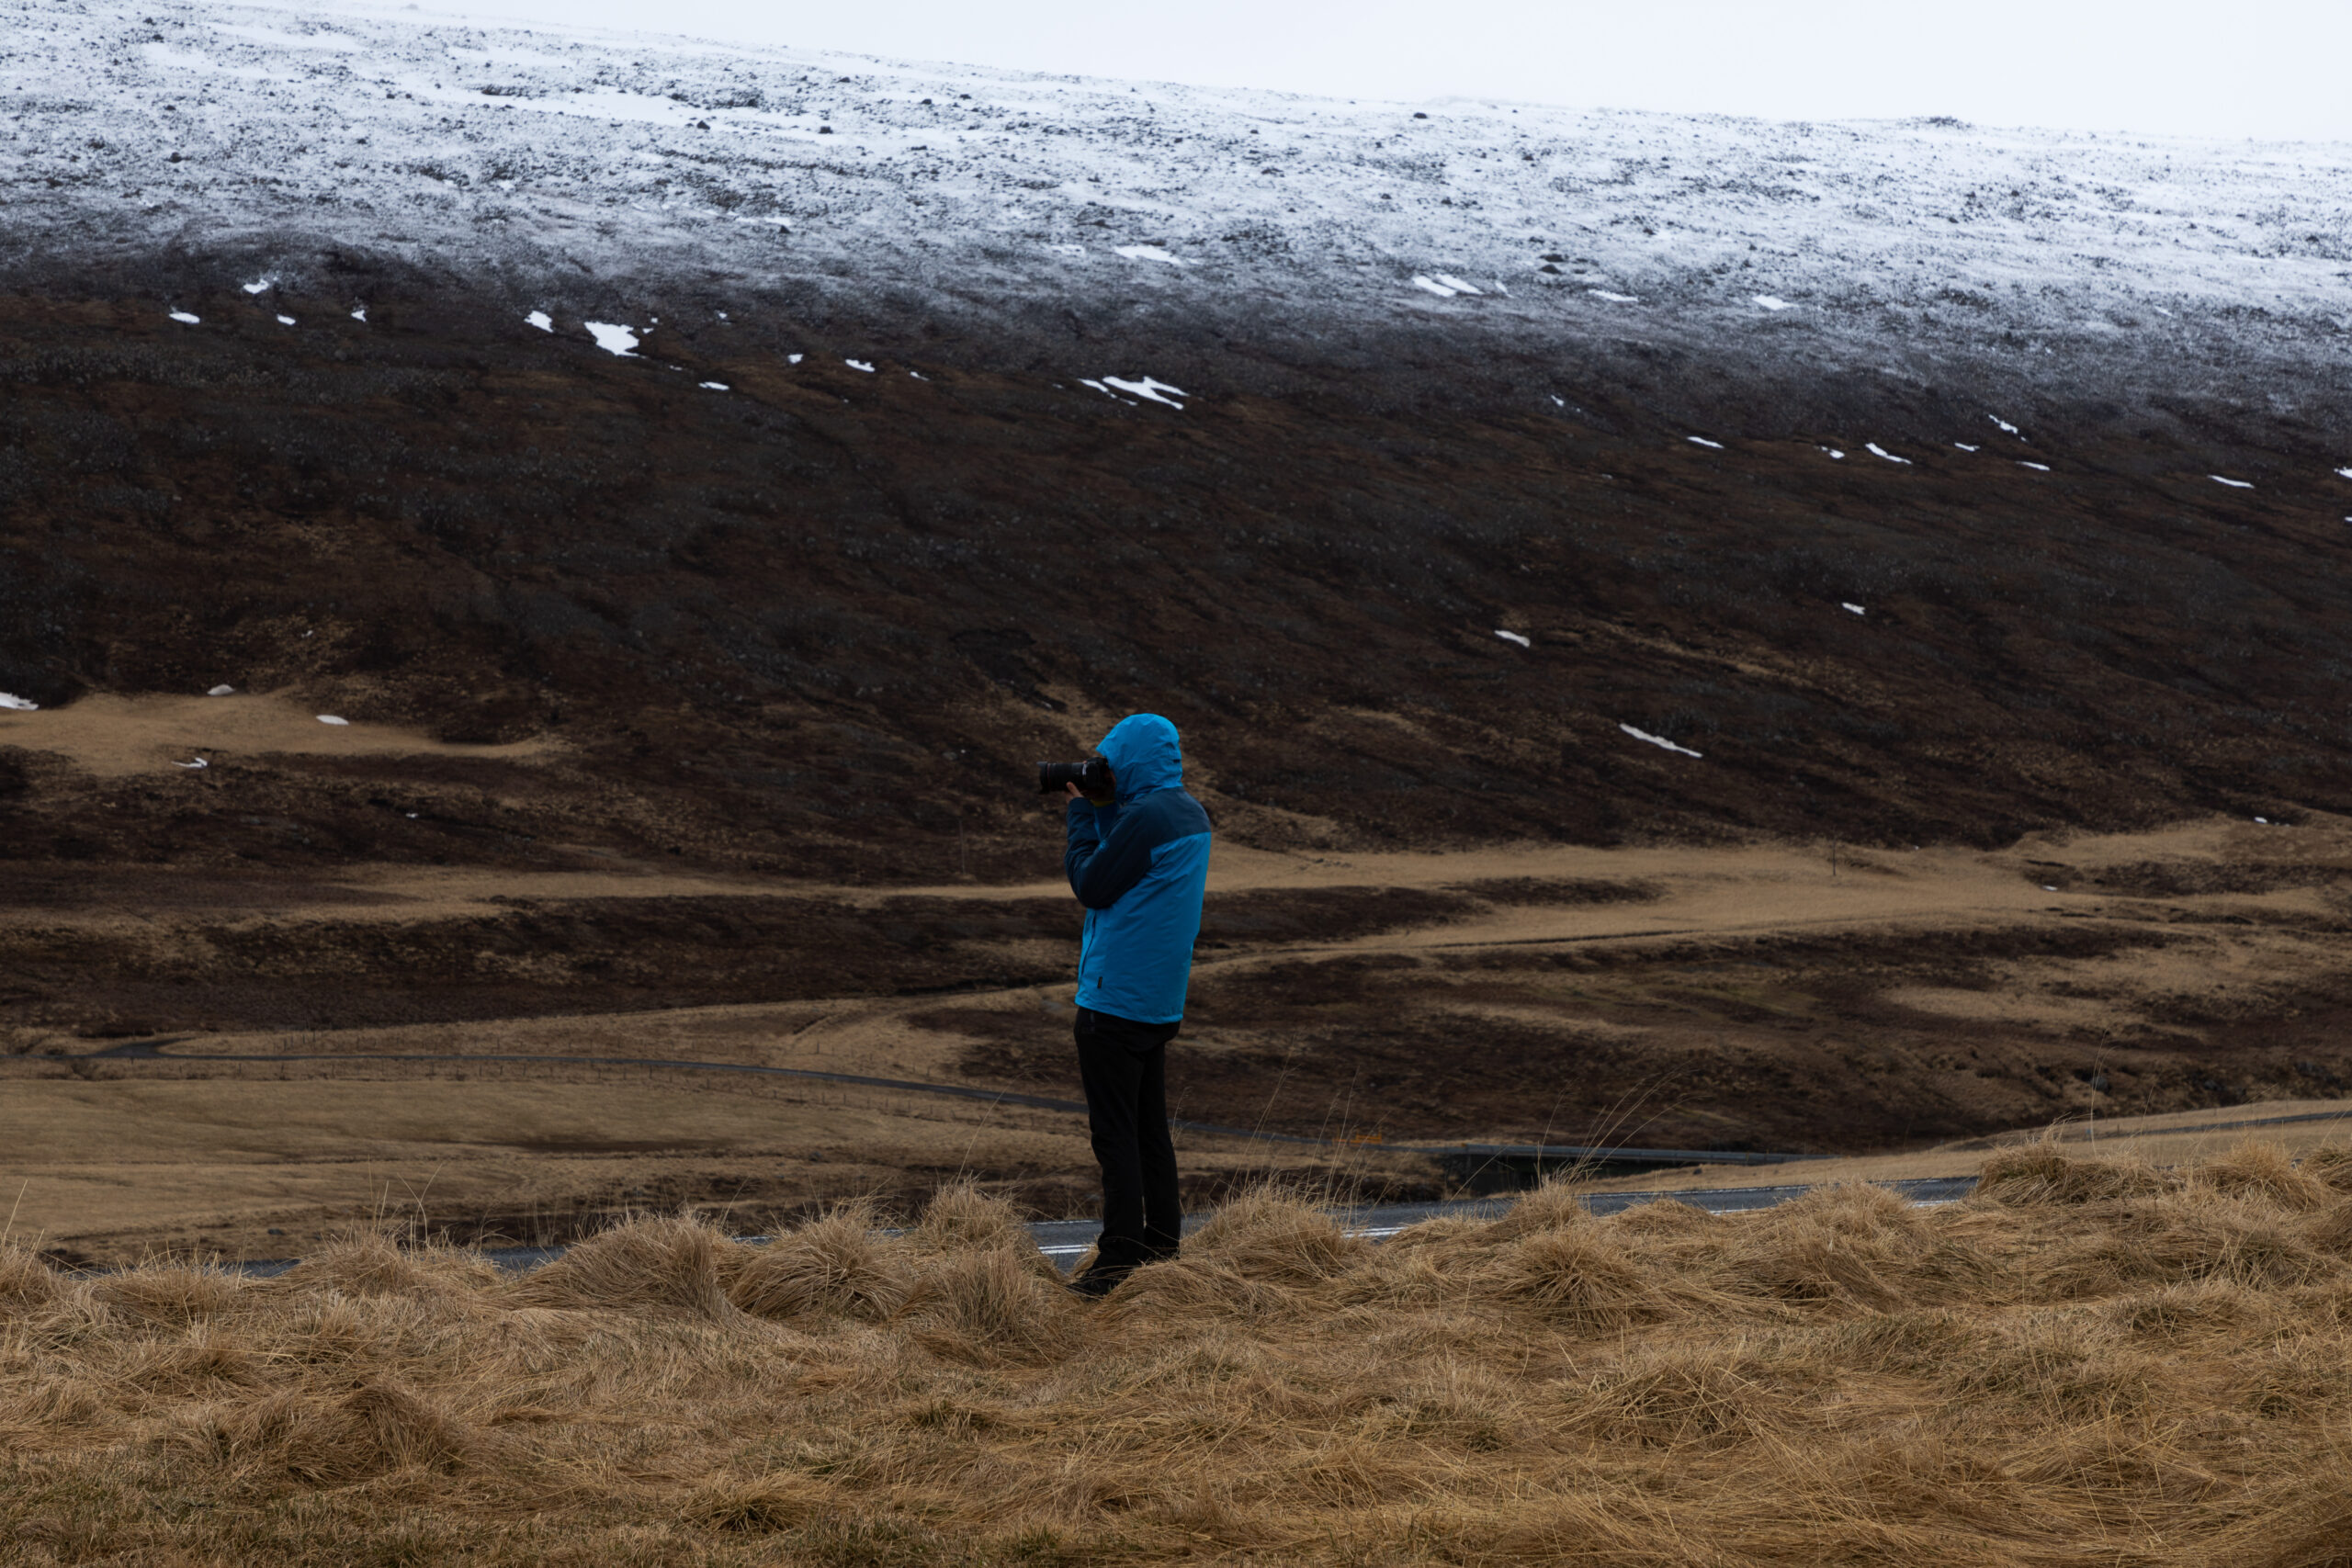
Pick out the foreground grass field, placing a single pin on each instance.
(2093, 1361)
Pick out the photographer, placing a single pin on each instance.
(1138, 860)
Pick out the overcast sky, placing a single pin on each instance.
(2269, 68)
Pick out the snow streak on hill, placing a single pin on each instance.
(232, 128)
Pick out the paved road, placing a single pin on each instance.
(1066, 1241)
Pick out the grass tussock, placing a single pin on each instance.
(2090, 1362)
(652, 1266)
(834, 1267)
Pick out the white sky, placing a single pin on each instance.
(2266, 68)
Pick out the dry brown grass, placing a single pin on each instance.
(2091, 1363)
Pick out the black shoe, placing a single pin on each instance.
(1099, 1281)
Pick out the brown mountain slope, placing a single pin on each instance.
(820, 622)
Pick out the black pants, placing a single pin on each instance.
(1124, 1067)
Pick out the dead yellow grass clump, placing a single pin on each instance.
(2091, 1362)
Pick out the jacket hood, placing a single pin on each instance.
(1144, 755)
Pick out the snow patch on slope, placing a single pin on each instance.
(1156, 391)
(1657, 739)
(613, 338)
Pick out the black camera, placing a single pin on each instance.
(1091, 776)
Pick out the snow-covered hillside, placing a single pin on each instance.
(266, 134)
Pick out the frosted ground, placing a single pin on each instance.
(263, 136)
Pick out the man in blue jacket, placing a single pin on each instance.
(1139, 861)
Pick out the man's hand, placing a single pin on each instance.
(1072, 791)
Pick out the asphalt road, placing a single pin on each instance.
(1066, 1241)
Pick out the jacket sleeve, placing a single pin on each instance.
(1101, 866)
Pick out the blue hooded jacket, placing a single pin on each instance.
(1139, 866)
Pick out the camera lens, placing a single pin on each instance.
(1091, 776)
